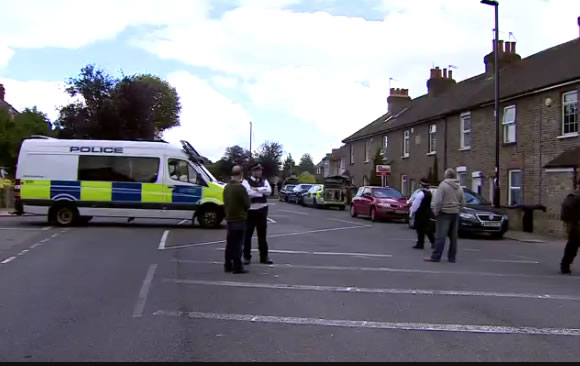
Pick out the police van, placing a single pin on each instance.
(71, 181)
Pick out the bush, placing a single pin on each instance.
(306, 178)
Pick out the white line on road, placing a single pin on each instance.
(509, 261)
(295, 212)
(144, 293)
(325, 253)
(46, 228)
(393, 270)
(269, 237)
(392, 291)
(44, 240)
(24, 252)
(22, 229)
(424, 327)
(163, 240)
(183, 222)
(35, 245)
(271, 221)
(54, 236)
(346, 221)
(8, 260)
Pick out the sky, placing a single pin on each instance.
(307, 73)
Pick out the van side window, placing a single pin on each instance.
(182, 171)
(118, 169)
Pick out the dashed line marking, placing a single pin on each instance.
(35, 245)
(271, 221)
(163, 240)
(24, 252)
(8, 260)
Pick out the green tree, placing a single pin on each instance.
(270, 156)
(289, 167)
(135, 107)
(14, 130)
(306, 165)
(306, 178)
(377, 160)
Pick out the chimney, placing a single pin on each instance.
(440, 80)
(578, 25)
(2, 92)
(398, 100)
(507, 55)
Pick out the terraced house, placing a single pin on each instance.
(454, 124)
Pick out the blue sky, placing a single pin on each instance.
(307, 73)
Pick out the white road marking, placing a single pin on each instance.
(394, 270)
(295, 212)
(144, 293)
(269, 237)
(325, 253)
(424, 327)
(271, 221)
(22, 229)
(44, 240)
(54, 236)
(524, 257)
(8, 260)
(346, 221)
(163, 240)
(391, 291)
(35, 245)
(24, 252)
(509, 261)
(46, 228)
(183, 222)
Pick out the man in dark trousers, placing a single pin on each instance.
(571, 216)
(423, 215)
(259, 190)
(237, 204)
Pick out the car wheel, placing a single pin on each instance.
(63, 215)
(353, 211)
(373, 214)
(209, 218)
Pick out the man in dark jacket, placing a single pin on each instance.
(423, 216)
(573, 228)
(237, 204)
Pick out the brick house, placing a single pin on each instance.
(454, 123)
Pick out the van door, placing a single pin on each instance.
(184, 188)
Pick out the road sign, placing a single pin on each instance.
(383, 170)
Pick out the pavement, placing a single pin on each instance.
(341, 289)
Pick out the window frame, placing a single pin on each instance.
(432, 139)
(564, 104)
(352, 154)
(199, 180)
(463, 131)
(406, 143)
(129, 160)
(404, 183)
(386, 146)
(507, 124)
(511, 188)
(367, 154)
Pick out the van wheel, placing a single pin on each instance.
(209, 218)
(63, 215)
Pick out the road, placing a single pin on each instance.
(341, 289)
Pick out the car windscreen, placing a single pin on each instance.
(289, 188)
(387, 193)
(472, 198)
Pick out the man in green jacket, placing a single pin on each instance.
(237, 204)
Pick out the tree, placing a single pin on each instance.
(377, 160)
(135, 107)
(270, 156)
(306, 178)
(306, 164)
(289, 167)
(14, 130)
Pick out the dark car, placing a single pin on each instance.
(479, 216)
(380, 203)
(287, 189)
(296, 196)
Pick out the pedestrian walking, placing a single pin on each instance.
(571, 216)
(422, 215)
(237, 204)
(258, 190)
(448, 200)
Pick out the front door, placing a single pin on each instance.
(183, 188)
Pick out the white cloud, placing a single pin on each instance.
(210, 121)
(225, 82)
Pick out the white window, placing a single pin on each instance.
(570, 113)
(406, 143)
(367, 151)
(466, 131)
(509, 124)
(386, 147)
(432, 139)
(462, 179)
(404, 183)
(515, 186)
(365, 181)
(351, 154)
(342, 165)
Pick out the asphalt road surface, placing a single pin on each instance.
(341, 289)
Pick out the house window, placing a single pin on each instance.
(509, 124)
(515, 186)
(366, 151)
(570, 113)
(466, 131)
(404, 183)
(351, 154)
(413, 185)
(386, 147)
(432, 139)
(406, 143)
(365, 181)
(462, 179)
(342, 165)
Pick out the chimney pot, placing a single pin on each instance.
(579, 24)
(513, 47)
(392, 91)
(450, 74)
(508, 46)
(500, 46)
(444, 73)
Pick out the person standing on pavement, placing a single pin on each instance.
(448, 200)
(259, 190)
(571, 217)
(422, 214)
(237, 204)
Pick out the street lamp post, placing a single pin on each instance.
(496, 195)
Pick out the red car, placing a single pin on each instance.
(380, 203)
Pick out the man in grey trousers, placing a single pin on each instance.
(448, 200)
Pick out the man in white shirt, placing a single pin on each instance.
(421, 212)
(259, 190)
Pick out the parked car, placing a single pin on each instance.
(285, 191)
(380, 203)
(330, 194)
(297, 192)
